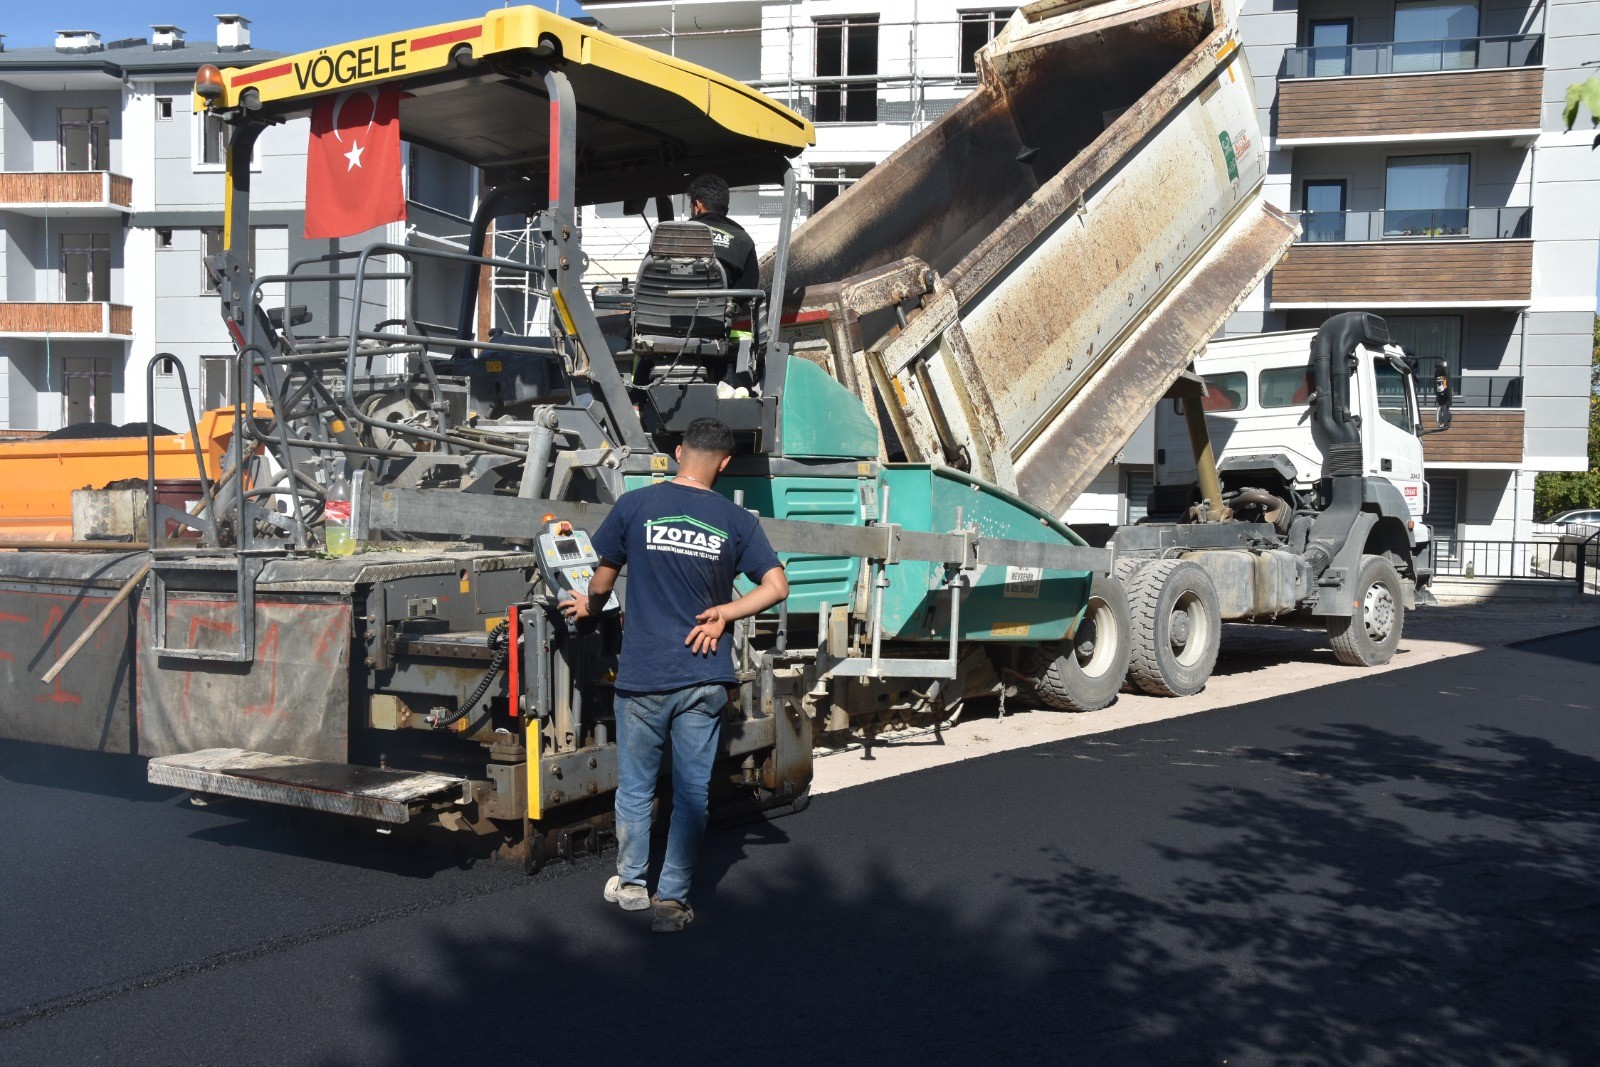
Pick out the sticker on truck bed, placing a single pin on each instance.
(1022, 582)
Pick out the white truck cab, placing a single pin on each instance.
(1257, 405)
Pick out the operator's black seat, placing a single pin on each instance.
(684, 337)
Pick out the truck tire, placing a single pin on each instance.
(1177, 628)
(1123, 571)
(1085, 672)
(1371, 636)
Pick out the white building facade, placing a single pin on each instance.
(111, 194)
(1422, 144)
(1424, 151)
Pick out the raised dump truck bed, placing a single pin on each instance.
(1060, 244)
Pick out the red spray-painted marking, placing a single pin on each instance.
(268, 651)
(57, 694)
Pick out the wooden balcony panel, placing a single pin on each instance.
(1468, 101)
(1433, 271)
(66, 187)
(88, 318)
(1476, 435)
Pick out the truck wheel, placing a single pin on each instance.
(1177, 628)
(1085, 672)
(1371, 636)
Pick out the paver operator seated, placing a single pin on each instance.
(708, 203)
(683, 545)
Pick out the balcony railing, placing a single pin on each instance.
(91, 318)
(1464, 223)
(87, 188)
(1478, 391)
(1414, 57)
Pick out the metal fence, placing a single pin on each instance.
(1571, 558)
(1414, 57)
(1416, 224)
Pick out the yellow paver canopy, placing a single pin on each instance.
(475, 90)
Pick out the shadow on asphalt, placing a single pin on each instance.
(99, 773)
(1580, 646)
(284, 831)
(1354, 895)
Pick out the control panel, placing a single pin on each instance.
(567, 561)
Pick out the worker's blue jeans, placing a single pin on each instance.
(692, 719)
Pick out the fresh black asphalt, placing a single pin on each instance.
(1399, 869)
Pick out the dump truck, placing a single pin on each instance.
(931, 369)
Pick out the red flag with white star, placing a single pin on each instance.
(353, 179)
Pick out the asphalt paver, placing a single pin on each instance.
(1397, 869)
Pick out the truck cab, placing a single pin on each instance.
(1258, 414)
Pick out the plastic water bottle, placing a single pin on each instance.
(336, 517)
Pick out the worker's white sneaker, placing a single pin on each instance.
(627, 897)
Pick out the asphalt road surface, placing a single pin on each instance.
(1398, 869)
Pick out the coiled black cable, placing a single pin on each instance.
(502, 649)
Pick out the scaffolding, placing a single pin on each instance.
(799, 92)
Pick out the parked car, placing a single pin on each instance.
(1571, 521)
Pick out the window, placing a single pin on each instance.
(1444, 494)
(1224, 392)
(438, 181)
(1140, 484)
(1433, 341)
(1435, 35)
(210, 245)
(1426, 196)
(1324, 217)
(163, 108)
(85, 391)
(213, 148)
(1330, 48)
(85, 267)
(978, 29)
(216, 381)
(1393, 402)
(824, 193)
(847, 48)
(163, 238)
(85, 134)
(1284, 387)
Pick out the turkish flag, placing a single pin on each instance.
(353, 179)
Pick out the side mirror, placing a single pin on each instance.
(663, 209)
(633, 207)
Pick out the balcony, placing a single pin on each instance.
(1477, 437)
(1423, 224)
(1477, 391)
(1414, 57)
(59, 193)
(1331, 268)
(90, 319)
(1396, 91)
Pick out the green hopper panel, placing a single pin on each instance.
(823, 419)
(813, 580)
(1005, 604)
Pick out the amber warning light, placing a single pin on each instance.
(208, 83)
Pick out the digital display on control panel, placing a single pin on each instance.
(567, 548)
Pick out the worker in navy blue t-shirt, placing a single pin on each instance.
(683, 545)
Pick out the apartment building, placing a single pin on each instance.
(1419, 141)
(1421, 144)
(111, 192)
(869, 76)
